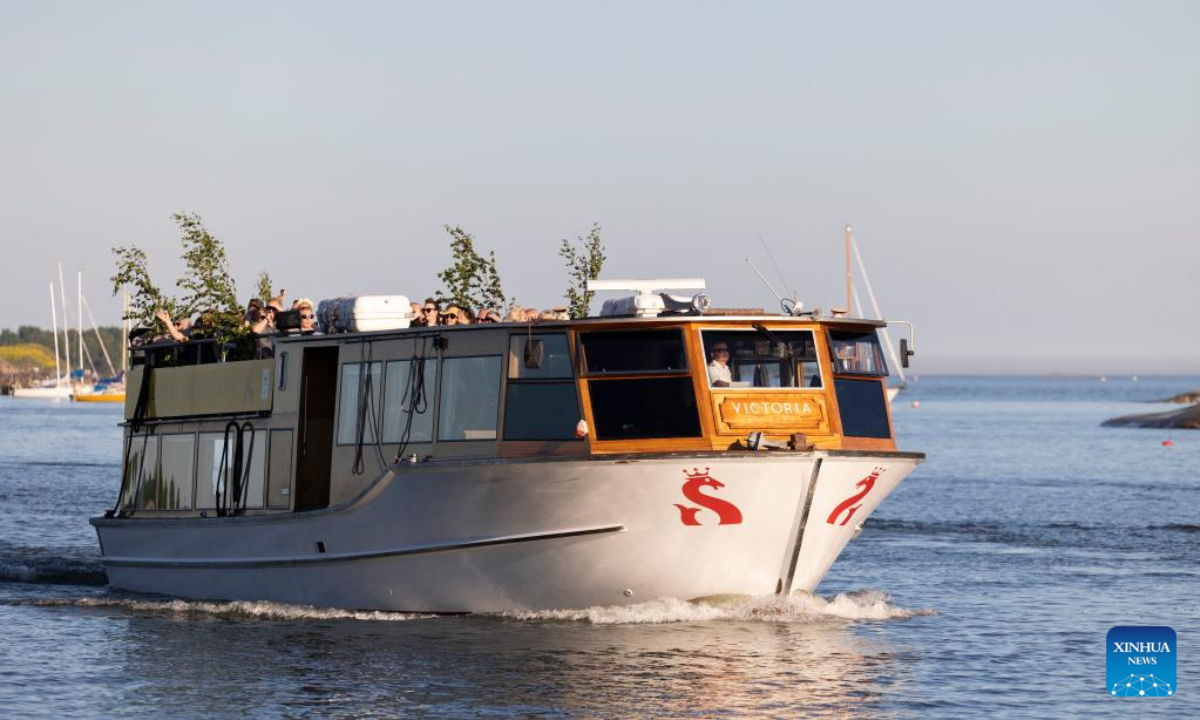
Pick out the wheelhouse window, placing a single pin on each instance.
(359, 402)
(539, 357)
(633, 351)
(470, 403)
(408, 400)
(757, 359)
(541, 402)
(855, 353)
(662, 405)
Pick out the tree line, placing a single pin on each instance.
(30, 335)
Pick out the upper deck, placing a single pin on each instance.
(329, 412)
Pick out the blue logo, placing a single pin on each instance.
(1141, 661)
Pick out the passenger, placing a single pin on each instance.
(532, 315)
(308, 317)
(488, 316)
(450, 316)
(718, 370)
(466, 316)
(266, 322)
(430, 312)
(558, 312)
(516, 313)
(253, 312)
(415, 316)
(178, 331)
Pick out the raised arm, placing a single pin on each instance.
(165, 317)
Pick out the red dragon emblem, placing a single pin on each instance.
(726, 511)
(850, 505)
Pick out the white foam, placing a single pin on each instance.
(798, 607)
(238, 608)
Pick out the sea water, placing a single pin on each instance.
(984, 585)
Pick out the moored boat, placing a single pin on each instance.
(507, 466)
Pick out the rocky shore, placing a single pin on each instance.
(1187, 418)
(1187, 397)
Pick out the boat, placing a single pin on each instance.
(110, 389)
(60, 387)
(507, 466)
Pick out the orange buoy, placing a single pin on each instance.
(1168, 443)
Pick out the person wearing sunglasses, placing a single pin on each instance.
(429, 314)
(718, 370)
(308, 317)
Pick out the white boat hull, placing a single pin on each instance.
(45, 393)
(494, 535)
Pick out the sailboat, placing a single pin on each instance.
(110, 389)
(59, 387)
(852, 247)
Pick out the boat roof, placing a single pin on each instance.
(863, 324)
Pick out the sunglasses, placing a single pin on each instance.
(306, 316)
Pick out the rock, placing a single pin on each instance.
(1187, 397)
(1187, 418)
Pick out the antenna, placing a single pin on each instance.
(786, 286)
(760, 277)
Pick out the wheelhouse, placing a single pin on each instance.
(318, 423)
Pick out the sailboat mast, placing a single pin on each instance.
(849, 277)
(54, 322)
(79, 314)
(887, 338)
(124, 332)
(99, 340)
(62, 296)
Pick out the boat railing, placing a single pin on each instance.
(177, 354)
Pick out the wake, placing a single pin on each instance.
(800, 607)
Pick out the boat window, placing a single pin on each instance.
(628, 409)
(134, 469)
(208, 469)
(177, 459)
(533, 357)
(411, 392)
(856, 353)
(146, 496)
(470, 398)
(754, 359)
(633, 351)
(863, 407)
(541, 411)
(358, 403)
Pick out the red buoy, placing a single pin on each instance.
(1168, 443)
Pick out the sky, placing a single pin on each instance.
(1022, 177)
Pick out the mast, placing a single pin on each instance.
(79, 314)
(849, 277)
(887, 338)
(62, 296)
(124, 332)
(54, 322)
(100, 341)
